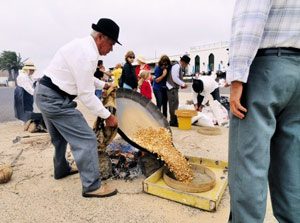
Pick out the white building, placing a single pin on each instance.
(210, 54)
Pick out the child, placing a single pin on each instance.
(144, 84)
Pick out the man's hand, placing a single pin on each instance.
(102, 68)
(106, 86)
(165, 72)
(184, 86)
(198, 108)
(111, 121)
(236, 108)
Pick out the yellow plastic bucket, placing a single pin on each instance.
(184, 118)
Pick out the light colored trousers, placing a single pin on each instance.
(66, 124)
(265, 146)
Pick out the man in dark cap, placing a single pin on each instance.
(203, 87)
(174, 81)
(70, 74)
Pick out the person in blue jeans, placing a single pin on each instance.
(159, 83)
(264, 139)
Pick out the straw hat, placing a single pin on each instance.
(29, 66)
(141, 59)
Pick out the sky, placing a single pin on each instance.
(38, 28)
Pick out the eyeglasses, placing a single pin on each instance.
(132, 57)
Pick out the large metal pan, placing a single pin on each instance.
(134, 111)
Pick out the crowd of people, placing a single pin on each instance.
(163, 82)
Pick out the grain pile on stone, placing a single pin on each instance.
(5, 173)
(159, 141)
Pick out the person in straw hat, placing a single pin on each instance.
(70, 74)
(23, 100)
(142, 65)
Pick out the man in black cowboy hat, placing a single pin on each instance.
(69, 75)
(174, 81)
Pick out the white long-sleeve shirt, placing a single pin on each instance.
(209, 85)
(175, 76)
(72, 70)
(25, 81)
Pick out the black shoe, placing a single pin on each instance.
(72, 172)
(174, 124)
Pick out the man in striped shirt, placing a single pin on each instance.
(264, 138)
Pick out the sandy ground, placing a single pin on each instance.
(33, 195)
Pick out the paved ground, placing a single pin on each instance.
(7, 104)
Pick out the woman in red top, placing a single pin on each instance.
(145, 84)
(142, 66)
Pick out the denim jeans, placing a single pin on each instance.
(161, 100)
(264, 148)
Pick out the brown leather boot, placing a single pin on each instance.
(32, 128)
(103, 191)
(26, 125)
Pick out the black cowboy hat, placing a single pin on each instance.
(186, 59)
(108, 28)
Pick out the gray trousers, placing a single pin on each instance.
(66, 124)
(173, 104)
(265, 146)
